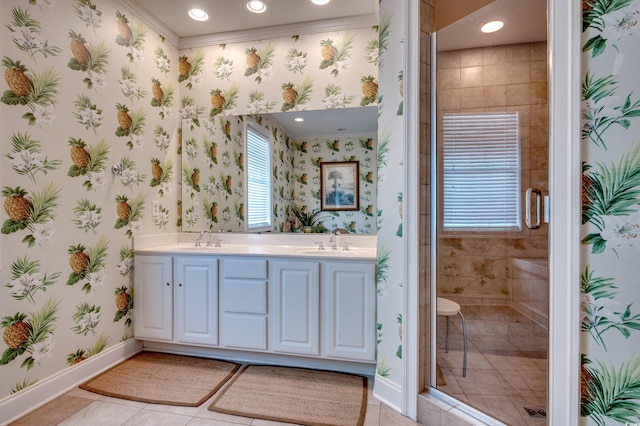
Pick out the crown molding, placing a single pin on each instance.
(145, 16)
(310, 27)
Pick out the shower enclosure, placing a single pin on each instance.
(489, 242)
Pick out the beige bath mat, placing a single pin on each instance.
(295, 395)
(163, 379)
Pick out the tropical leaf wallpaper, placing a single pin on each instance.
(101, 117)
(302, 72)
(87, 87)
(390, 160)
(610, 308)
(82, 85)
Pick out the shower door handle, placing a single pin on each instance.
(531, 192)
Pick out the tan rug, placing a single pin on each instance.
(163, 379)
(295, 395)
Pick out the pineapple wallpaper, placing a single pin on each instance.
(610, 308)
(101, 117)
(86, 87)
(302, 72)
(214, 154)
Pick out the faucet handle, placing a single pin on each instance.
(320, 245)
(345, 246)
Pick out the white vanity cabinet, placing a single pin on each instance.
(153, 292)
(294, 301)
(294, 307)
(243, 303)
(176, 299)
(349, 310)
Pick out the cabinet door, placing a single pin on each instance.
(294, 307)
(153, 291)
(196, 300)
(349, 310)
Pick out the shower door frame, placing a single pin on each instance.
(564, 20)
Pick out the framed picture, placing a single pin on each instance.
(339, 185)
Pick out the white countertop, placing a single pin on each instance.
(361, 247)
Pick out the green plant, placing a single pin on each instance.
(307, 218)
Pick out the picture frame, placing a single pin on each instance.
(339, 185)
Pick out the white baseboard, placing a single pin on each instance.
(389, 393)
(17, 405)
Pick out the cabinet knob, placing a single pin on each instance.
(180, 285)
(168, 284)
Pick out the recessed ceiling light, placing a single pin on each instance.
(256, 6)
(320, 2)
(198, 14)
(492, 27)
(298, 119)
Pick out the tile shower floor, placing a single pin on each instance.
(83, 408)
(506, 364)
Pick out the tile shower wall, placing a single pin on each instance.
(475, 266)
(528, 288)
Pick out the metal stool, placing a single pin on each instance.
(449, 308)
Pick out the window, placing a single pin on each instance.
(258, 197)
(481, 166)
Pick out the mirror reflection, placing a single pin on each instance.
(215, 185)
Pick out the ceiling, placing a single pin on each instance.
(329, 121)
(226, 16)
(525, 20)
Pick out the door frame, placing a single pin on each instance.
(563, 397)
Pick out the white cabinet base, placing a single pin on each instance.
(309, 313)
(251, 357)
(349, 306)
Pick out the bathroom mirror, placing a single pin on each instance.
(214, 163)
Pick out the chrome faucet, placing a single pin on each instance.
(199, 240)
(333, 239)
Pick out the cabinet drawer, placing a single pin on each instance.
(244, 331)
(244, 268)
(244, 296)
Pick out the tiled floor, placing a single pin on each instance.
(506, 365)
(83, 408)
(506, 372)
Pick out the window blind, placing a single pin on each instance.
(481, 171)
(258, 178)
